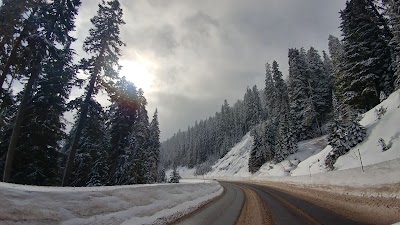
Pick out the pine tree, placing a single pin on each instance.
(355, 132)
(394, 14)
(366, 65)
(225, 126)
(320, 85)
(46, 54)
(15, 27)
(301, 105)
(41, 134)
(98, 175)
(174, 178)
(103, 44)
(282, 95)
(336, 50)
(285, 142)
(140, 144)
(92, 147)
(338, 140)
(270, 93)
(342, 139)
(162, 178)
(263, 145)
(123, 115)
(154, 147)
(253, 109)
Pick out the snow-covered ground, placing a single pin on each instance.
(307, 165)
(134, 204)
(234, 163)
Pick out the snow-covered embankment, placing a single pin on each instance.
(135, 204)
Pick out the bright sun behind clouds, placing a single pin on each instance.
(139, 72)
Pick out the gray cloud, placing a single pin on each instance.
(208, 51)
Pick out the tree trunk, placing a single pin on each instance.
(17, 127)
(316, 117)
(13, 53)
(79, 127)
(9, 61)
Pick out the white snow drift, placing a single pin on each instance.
(135, 204)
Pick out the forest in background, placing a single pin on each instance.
(321, 95)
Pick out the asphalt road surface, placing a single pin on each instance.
(245, 203)
(225, 210)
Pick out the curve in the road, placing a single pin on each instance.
(247, 203)
(225, 210)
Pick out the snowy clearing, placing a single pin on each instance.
(132, 204)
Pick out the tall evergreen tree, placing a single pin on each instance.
(141, 166)
(154, 148)
(263, 149)
(366, 65)
(17, 20)
(285, 142)
(92, 147)
(46, 59)
(282, 95)
(103, 44)
(336, 51)
(394, 14)
(270, 92)
(253, 109)
(123, 115)
(319, 84)
(301, 105)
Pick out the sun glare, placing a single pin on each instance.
(138, 72)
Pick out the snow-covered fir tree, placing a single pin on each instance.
(92, 147)
(338, 140)
(122, 117)
(270, 93)
(252, 107)
(367, 56)
(103, 45)
(394, 15)
(140, 172)
(174, 177)
(281, 95)
(154, 148)
(285, 140)
(263, 145)
(355, 132)
(301, 103)
(343, 138)
(45, 59)
(320, 85)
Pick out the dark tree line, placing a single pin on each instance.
(210, 139)
(106, 146)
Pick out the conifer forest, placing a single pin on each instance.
(324, 94)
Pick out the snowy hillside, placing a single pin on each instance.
(135, 204)
(311, 154)
(234, 163)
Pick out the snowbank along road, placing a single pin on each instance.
(252, 204)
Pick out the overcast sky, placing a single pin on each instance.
(190, 55)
